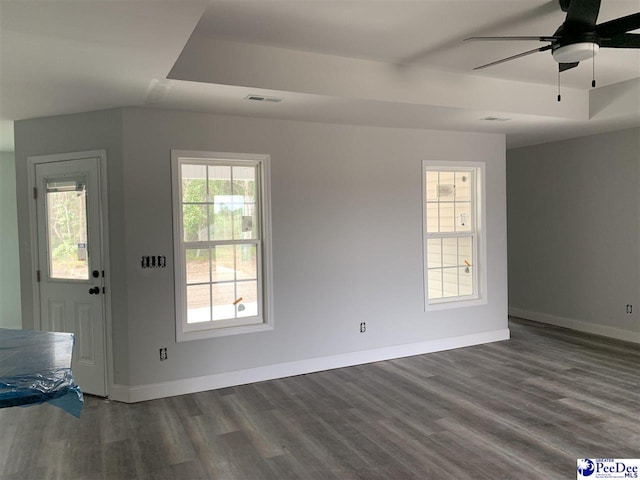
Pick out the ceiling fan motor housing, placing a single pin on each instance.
(574, 52)
(574, 46)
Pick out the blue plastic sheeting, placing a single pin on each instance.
(35, 367)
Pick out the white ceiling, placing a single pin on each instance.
(390, 63)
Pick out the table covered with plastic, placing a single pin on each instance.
(35, 367)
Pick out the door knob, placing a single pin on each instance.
(94, 291)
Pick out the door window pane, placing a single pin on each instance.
(67, 230)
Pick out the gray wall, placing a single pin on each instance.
(74, 133)
(10, 316)
(347, 235)
(574, 233)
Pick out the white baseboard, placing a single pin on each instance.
(579, 325)
(140, 393)
(119, 393)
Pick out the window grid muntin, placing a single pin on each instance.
(445, 266)
(251, 207)
(454, 203)
(235, 281)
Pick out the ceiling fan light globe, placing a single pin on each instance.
(575, 52)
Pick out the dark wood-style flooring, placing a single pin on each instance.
(526, 408)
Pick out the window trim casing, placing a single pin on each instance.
(480, 296)
(185, 332)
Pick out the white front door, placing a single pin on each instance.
(70, 263)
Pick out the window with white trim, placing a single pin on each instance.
(221, 243)
(454, 259)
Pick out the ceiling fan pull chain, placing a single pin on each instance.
(559, 97)
(593, 65)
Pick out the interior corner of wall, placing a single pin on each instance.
(119, 393)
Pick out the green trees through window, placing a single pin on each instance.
(67, 230)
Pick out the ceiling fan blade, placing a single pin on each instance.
(582, 14)
(549, 38)
(567, 66)
(619, 25)
(513, 57)
(626, 40)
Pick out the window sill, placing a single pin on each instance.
(222, 332)
(447, 305)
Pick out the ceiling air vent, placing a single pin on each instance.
(496, 119)
(263, 98)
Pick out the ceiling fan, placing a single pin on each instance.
(579, 38)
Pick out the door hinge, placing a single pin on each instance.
(35, 193)
(38, 275)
